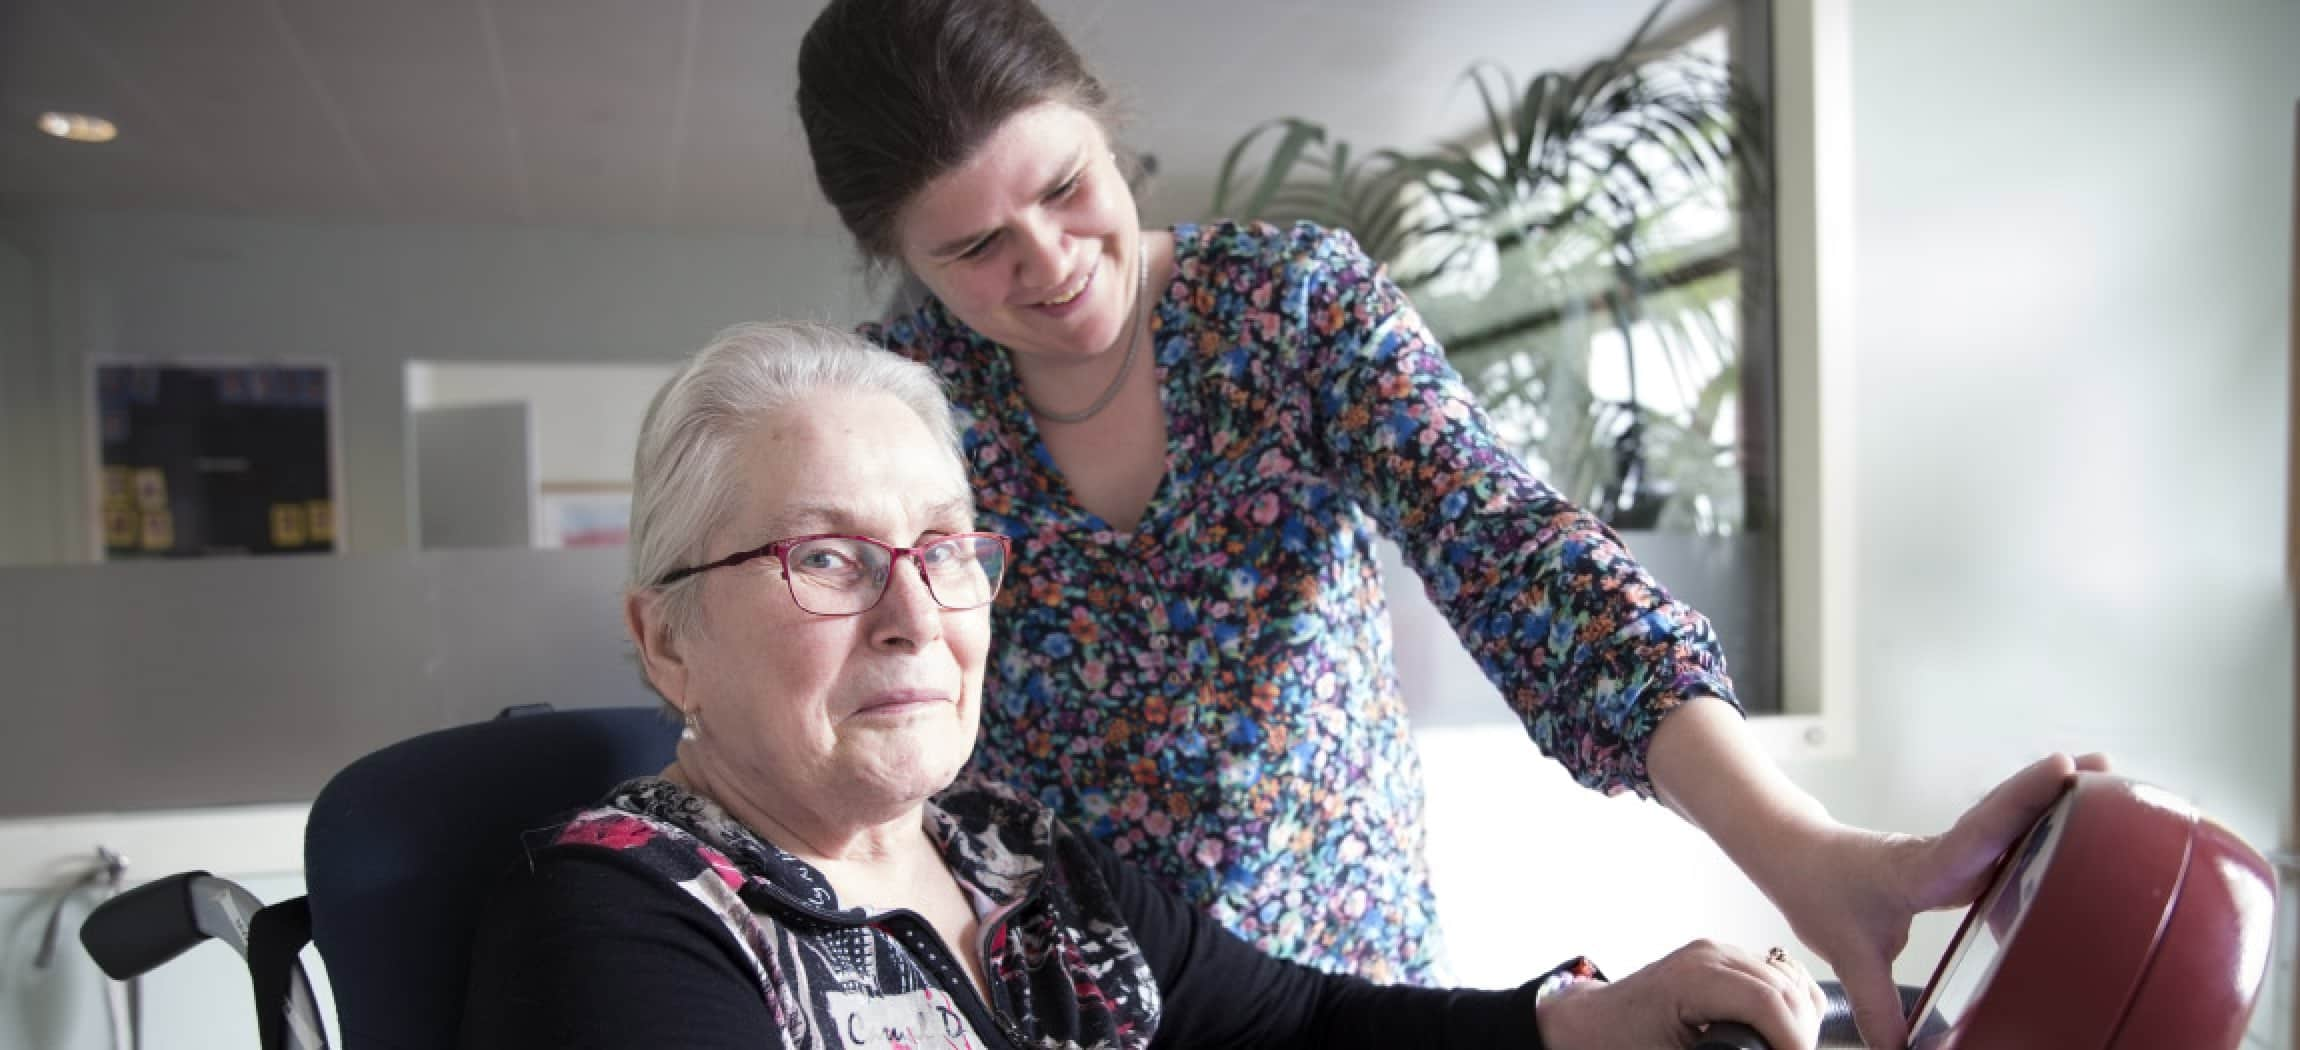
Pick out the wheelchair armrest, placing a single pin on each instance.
(135, 932)
(138, 930)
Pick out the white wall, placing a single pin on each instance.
(370, 299)
(2073, 222)
(2074, 273)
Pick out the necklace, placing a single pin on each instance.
(1125, 363)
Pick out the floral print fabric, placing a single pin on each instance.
(1213, 692)
(1065, 971)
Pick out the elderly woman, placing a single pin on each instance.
(810, 593)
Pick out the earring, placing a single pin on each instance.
(694, 726)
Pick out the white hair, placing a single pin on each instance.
(686, 479)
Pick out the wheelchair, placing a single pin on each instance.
(400, 853)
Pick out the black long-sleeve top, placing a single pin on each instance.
(656, 920)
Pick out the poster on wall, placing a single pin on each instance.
(206, 460)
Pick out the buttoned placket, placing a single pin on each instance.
(915, 934)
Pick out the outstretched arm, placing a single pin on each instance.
(1849, 893)
(1622, 684)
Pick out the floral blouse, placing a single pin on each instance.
(1213, 693)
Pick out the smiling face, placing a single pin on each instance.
(847, 718)
(1033, 241)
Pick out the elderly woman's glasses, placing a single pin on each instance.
(846, 575)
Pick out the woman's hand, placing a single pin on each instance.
(1848, 893)
(1852, 896)
(1665, 1005)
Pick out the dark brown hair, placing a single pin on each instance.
(894, 93)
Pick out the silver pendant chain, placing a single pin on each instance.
(1125, 364)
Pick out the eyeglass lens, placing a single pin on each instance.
(837, 576)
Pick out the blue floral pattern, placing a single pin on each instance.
(1213, 692)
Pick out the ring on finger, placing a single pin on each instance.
(1776, 955)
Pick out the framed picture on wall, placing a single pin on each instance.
(583, 514)
(211, 459)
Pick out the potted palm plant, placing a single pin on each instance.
(1587, 230)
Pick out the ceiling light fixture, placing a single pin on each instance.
(78, 127)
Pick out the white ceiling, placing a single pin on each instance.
(672, 114)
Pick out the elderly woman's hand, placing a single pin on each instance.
(1855, 893)
(1666, 1004)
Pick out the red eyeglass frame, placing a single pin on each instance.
(780, 551)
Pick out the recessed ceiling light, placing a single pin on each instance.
(78, 127)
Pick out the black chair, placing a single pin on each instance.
(401, 850)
